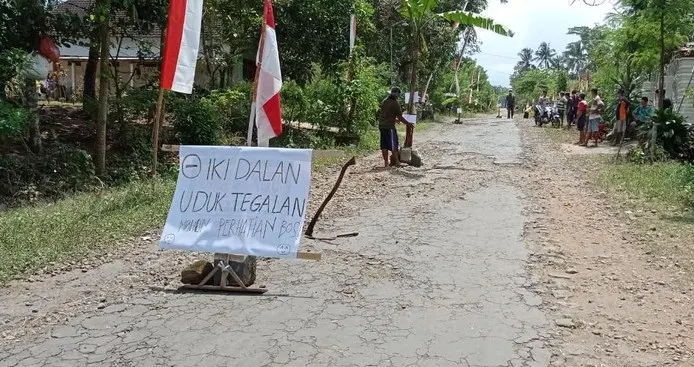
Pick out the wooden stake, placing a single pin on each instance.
(312, 224)
(155, 131)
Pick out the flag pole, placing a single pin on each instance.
(254, 91)
(155, 130)
(159, 112)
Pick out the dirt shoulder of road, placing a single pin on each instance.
(612, 300)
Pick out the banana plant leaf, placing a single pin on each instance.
(417, 9)
(476, 20)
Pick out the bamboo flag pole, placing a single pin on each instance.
(155, 130)
(254, 92)
(159, 112)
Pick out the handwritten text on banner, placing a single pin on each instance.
(239, 200)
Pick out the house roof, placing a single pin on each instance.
(129, 47)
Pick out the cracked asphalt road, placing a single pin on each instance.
(436, 277)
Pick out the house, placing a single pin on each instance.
(135, 59)
(679, 77)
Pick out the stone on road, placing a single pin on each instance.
(436, 277)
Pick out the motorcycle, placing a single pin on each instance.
(542, 115)
(556, 118)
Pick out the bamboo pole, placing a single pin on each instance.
(254, 91)
(155, 130)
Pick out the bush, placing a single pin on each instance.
(234, 107)
(60, 170)
(196, 121)
(333, 101)
(294, 102)
(667, 130)
(13, 121)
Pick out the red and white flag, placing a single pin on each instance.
(268, 112)
(181, 47)
(352, 32)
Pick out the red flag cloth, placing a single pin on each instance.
(268, 109)
(181, 47)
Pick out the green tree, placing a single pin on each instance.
(544, 55)
(526, 60)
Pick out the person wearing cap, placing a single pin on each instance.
(390, 114)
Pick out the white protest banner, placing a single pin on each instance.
(239, 200)
(410, 118)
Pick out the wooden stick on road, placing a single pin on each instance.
(312, 224)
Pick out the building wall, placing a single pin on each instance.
(678, 78)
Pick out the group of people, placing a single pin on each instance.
(587, 115)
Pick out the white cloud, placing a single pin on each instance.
(533, 22)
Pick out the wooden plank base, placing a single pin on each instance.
(225, 289)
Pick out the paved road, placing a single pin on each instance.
(436, 277)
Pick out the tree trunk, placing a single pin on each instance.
(30, 102)
(426, 87)
(661, 78)
(89, 88)
(409, 130)
(102, 110)
(460, 59)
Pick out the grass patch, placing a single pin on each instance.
(662, 184)
(36, 235)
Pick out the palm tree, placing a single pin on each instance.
(576, 57)
(526, 59)
(544, 55)
(559, 62)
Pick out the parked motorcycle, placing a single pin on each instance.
(543, 115)
(556, 118)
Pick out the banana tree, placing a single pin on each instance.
(417, 14)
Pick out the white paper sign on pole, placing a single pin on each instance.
(416, 97)
(459, 110)
(410, 118)
(239, 200)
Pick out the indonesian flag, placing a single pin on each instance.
(181, 47)
(268, 112)
(352, 32)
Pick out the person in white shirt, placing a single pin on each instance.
(596, 108)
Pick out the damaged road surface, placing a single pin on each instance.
(437, 277)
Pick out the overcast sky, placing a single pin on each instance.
(532, 21)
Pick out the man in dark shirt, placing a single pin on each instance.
(510, 104)
(389, 115)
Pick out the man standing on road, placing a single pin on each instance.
(389, 114)
(620, 126)
(510, 104)
(581, 117)
(596, 108)
(573, 108)
(543, 101)
(561, 106)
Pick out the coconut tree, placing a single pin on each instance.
(576, 57)
(417, 14)
(544, 55)
(526, 59)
